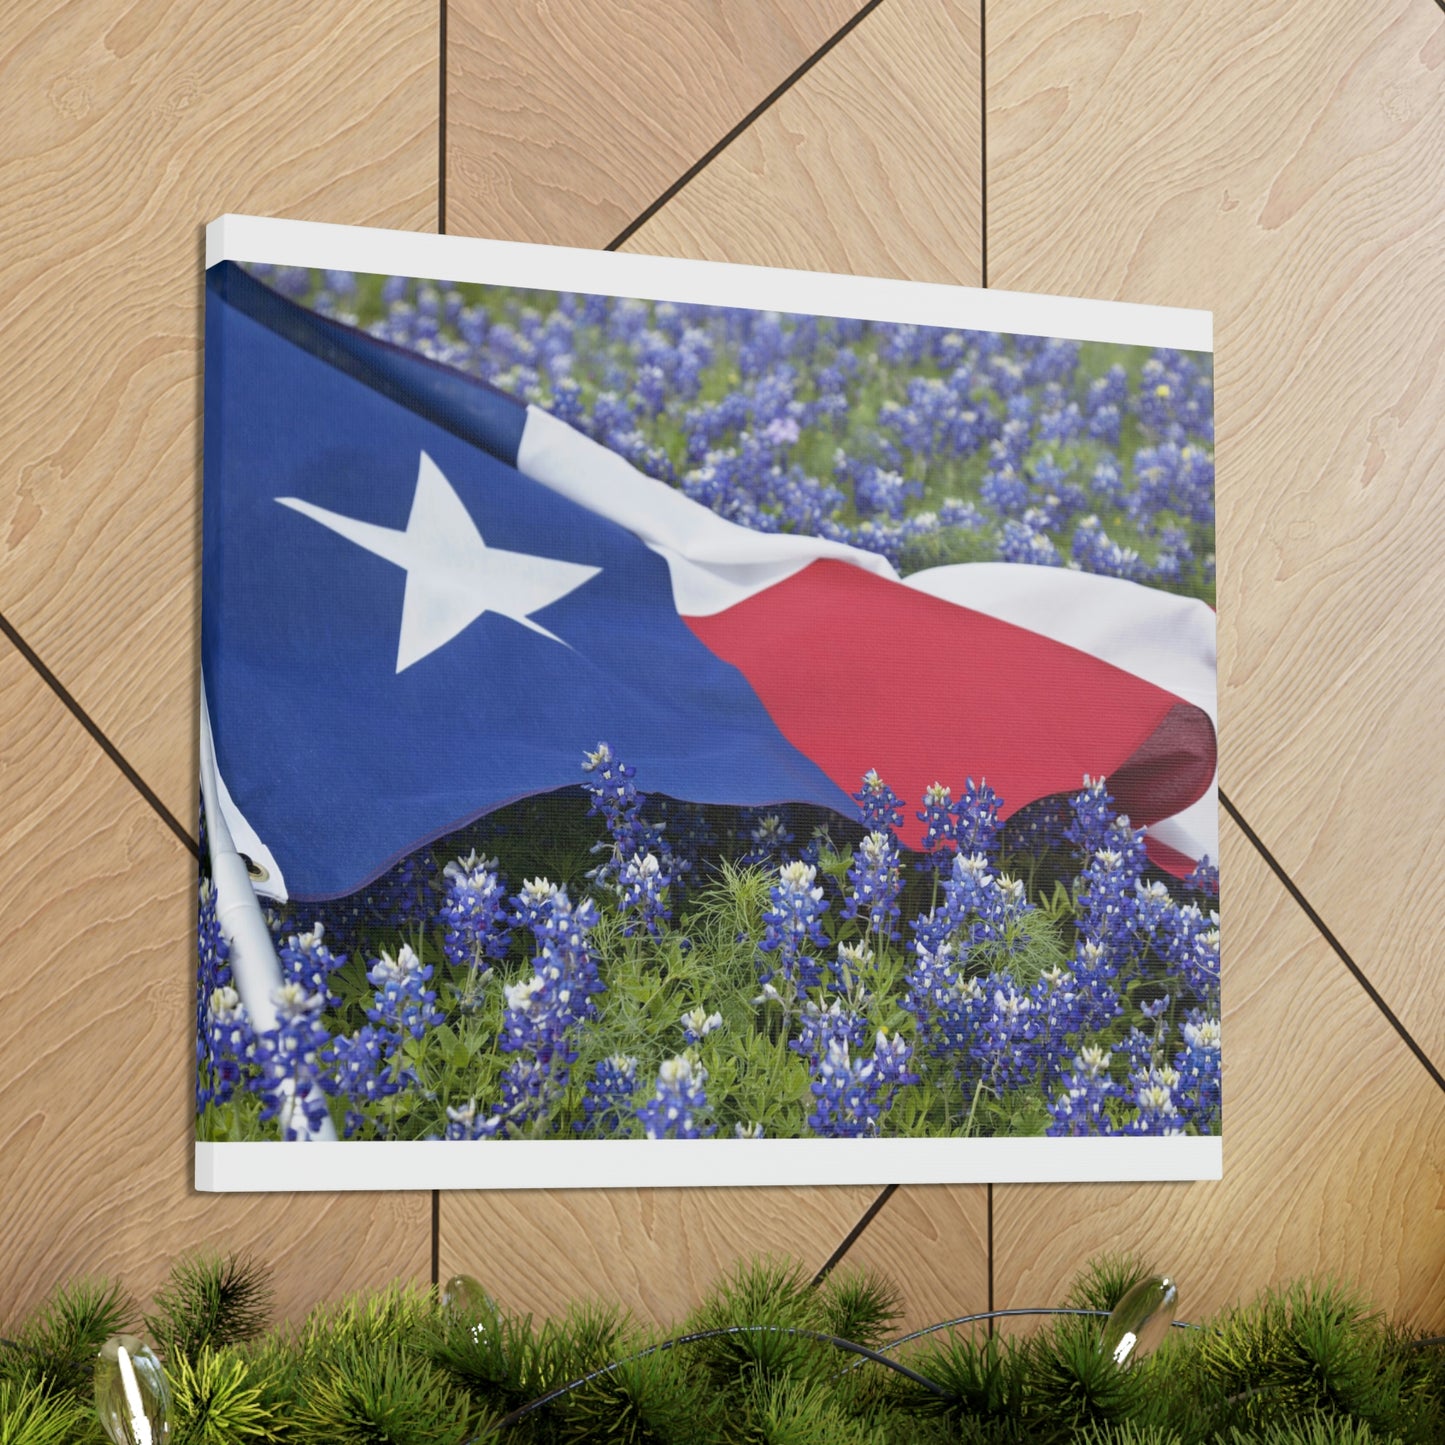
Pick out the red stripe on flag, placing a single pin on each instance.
(860, 672)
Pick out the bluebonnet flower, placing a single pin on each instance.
(532, 907)
(1093, 815)
(794, 927)
(1106, 423)
(976, 822)
(464, 1121)
(401, 895)
(291, 1069)
(543, 1014)
(306, 960)
(474, 912)
(939, 825)
(361, 1070)
(697, 1024)
(1080, 1108)
(1006, 1032)
(1021, 542)
(1152, 1091)
(946, 1005)
(875, 879)
(879, 808)
(820, 1027)
(642, 885)
(1197, 1066)
(678, 1107)
(1204, 879)
(402, 1001)
(978, 906)
(1094, 552)
(610, 1093)
(226, 1042)
(215, 1073)
(767, 835)
(852, 1094)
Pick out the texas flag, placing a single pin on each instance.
(422, 600)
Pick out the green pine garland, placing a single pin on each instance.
(1306, 1365)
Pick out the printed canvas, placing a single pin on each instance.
(679, 723)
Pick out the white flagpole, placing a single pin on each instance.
(254, 965)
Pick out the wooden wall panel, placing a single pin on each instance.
(97, 984)
(1334, 1145)
(126, 128)
(931, 1240)
(566, 119)
(869, 165)
(656, 1251)
(1282, 165)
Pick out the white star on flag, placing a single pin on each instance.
(452, 576)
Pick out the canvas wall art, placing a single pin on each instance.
(675, 723)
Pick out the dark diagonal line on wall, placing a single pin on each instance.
(1295, 892)
(770, 99)
(106, 746)
(442, 122)
(852, 1237)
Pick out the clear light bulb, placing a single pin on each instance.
(131, 1393)
(466, 1302)
(1140, 1320)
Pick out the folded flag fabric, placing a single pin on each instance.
(423, 600)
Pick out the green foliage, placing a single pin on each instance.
(31, 1414)
(1072, 1383)
(215, 1399)
(860, 1306)
(1312, 1347)
(1307, 1365)
(985, 1375)
(210, 1301)
(1105, 1280)
(58, 1344)
(373, 1392)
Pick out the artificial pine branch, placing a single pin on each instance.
(1309, 1365)
(210, 1301)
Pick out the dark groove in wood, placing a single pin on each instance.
(854, 1234)
(106, 746)
(1295, 892)
(778, 91)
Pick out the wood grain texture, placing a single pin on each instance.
(655, 1251)
(1282, 165)
(97, 970)
(566, 119)
(932, 1242)
(1334, 1145)
(870, 164)
(127, 127)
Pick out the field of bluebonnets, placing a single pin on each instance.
(605, 963)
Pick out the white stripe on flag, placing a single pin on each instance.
(715, 563)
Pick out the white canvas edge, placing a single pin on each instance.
(711, 283)
(689, 1163)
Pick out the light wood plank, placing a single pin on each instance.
(126, 128)
(97, 970)
(567, 119)
(870, 164)
(1334, 1145)
(655, 1251)
(1280, 164)
(932, 1242)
